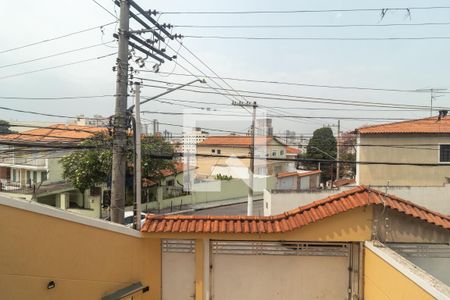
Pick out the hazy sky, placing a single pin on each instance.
(412, 64)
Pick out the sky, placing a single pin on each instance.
(393, 64)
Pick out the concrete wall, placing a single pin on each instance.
(277, 203)
(433, 198)
(232, 189)
(402, 175)
(85, 262)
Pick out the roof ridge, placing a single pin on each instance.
(397, 122)
(312, 212)
(409, 203)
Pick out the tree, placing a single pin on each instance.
(322, 145)
(89, 168)
(5, 127)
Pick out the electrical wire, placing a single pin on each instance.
(55, 54)
(311, 85)
(58, 66)
(309, 25)
(278, 38)
(305, 10)
(322, 100)
(57, 98)
(57, 37)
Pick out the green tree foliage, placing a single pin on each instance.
(5, 127)
(322, 145)
(88, 168)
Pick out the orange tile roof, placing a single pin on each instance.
(236, 140)
(292, 150)
(55, 133)
(359, 196)
(344, 181)
(298, 174)
(427, 125)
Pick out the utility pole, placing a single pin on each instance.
(120, 120)
(251, 170)
(138, 161)
(338, 156)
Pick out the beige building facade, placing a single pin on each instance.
(413, 153)
(239, 146)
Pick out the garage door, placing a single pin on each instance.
(279, 270)
(178, 269)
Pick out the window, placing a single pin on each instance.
(281, 152)
(170, 182)
(34, 176)
(274, 153)
(213, 150)
(444, 153)
(44, 176)
(219, 151)
(14, 175)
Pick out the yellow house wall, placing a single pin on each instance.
(402, 175)
(85, 262)
(382, 281)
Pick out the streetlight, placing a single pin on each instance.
(136, 122)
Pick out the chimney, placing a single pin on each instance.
(442, 114)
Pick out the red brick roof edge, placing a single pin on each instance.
(360, 196)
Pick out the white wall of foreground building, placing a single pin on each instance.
(433, 198)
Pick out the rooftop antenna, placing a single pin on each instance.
(433, 96)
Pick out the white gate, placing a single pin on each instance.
(178, 269)
(279, 270)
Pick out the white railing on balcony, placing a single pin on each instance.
(26, 161)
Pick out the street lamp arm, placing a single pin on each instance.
(131, 108)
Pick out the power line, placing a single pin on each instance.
(57, 37)
(307, 84)
(102, 7)
(406, 9)
(278, 38)
(310, 25)
(293, 98)
(276, 116)
(58, 66)
(296, 108)
(56, 98)
(54, 55)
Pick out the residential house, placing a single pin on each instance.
(31, 170)
(293, 153)
(266, 147)
(298, 180)
(334, 248)
(401, 148)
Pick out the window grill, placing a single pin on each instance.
(283, 248)
(178, 246)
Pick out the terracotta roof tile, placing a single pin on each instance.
(359, 196)
(298, 173)
(57, 132)
(427, 125)
(236, 141)
(292, 150)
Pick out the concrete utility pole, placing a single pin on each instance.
(338, 156)
(138, 179)
(120, 120)
(251, 170)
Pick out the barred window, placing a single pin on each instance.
(444, 153)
